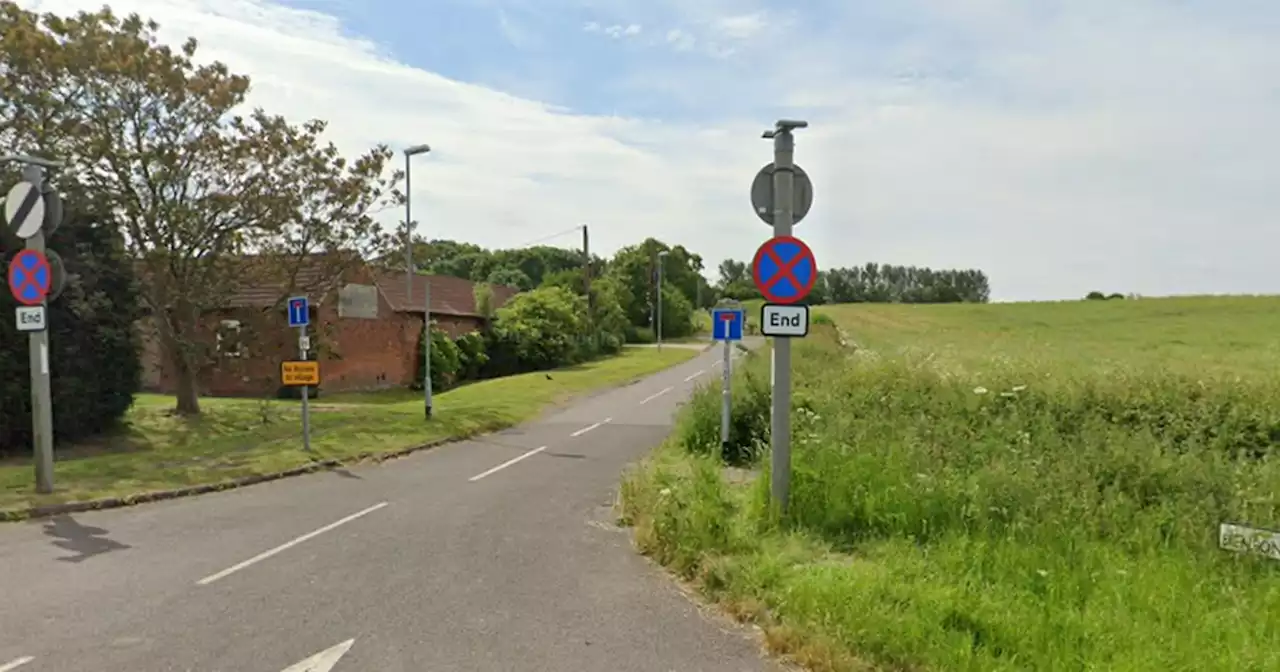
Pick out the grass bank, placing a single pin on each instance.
(1016, 487)
(235, 438)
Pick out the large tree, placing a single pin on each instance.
(210, 198)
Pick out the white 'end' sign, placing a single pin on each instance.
(30, 318)
(1243, 539)
(780, 319)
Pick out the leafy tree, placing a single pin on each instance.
(93, 356)
(677, 314)
(194, 186)
(512, 277)
(636, 267)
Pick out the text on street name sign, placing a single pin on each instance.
(299, 373)
(1241, 539)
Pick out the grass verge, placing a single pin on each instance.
(237, 438)
(1049, 501)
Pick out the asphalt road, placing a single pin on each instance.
(492, 554)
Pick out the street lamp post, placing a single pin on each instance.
(408, 278)
(661, 255)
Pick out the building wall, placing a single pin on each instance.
(355, 354)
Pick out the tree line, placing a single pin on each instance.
(870, 283)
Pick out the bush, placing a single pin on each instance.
(471, 356)
(446, 361)
(93, 345)
(540, 329)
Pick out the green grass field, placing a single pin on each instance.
(243, 437)
(996, 487)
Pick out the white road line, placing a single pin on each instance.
(284, 547)
(695, 375)
(655, 396)
(588, 428)
(506, 464)
(16, 663)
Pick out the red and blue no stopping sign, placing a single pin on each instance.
(784, 269)
(30, 277)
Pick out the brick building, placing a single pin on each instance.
(364, 331)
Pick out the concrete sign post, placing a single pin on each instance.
(786, 276)
(300, 317)
(726, 325)
(31, 211)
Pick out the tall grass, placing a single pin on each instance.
(1012, 513)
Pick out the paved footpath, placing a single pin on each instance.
(492, 554)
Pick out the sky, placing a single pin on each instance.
(1061, 146)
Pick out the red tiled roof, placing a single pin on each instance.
(315, 277)
(449, 295)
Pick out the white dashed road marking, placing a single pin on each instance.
(588, 428)
(655, 395)
(695, 375)
(506, 464)
(16, 663)
(284, 547)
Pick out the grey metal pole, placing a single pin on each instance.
(408, 231)
(780, 416)
(306, 395)
(38, 354)
(658, 301)
(426, 347)
(726, 401)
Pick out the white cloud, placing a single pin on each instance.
(741, 26)
(1062, 147)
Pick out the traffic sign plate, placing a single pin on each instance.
(784, 269)
(29, 277)
(299, 373)
(762, 194)
(784, 320)
(30, 318)
(24, 210)
(299, 312)
(726, 324)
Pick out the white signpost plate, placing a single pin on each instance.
(1241, 539)
(30, 318)
(24, 210)
(788, 321)
(304, 343)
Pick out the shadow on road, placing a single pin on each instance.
(82, 540)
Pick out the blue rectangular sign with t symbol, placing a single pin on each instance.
(726, 324)
(299, 312)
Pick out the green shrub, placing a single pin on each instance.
(471, 355)
(446, 361)
(93, 346)
(539, 329)
(822, 318)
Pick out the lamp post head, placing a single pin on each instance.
(417, 149)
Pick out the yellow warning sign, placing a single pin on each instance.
(298, 374)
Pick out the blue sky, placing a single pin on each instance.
(1061, 145)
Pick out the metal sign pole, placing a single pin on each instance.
(306, 393)
(780, 415)
(726, 402)
(38, 353)
(426, 348)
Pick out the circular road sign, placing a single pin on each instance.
(53, 211)
(762, 194)
(57, 275)
(784, 269)
(29, 277)
(24, 210)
